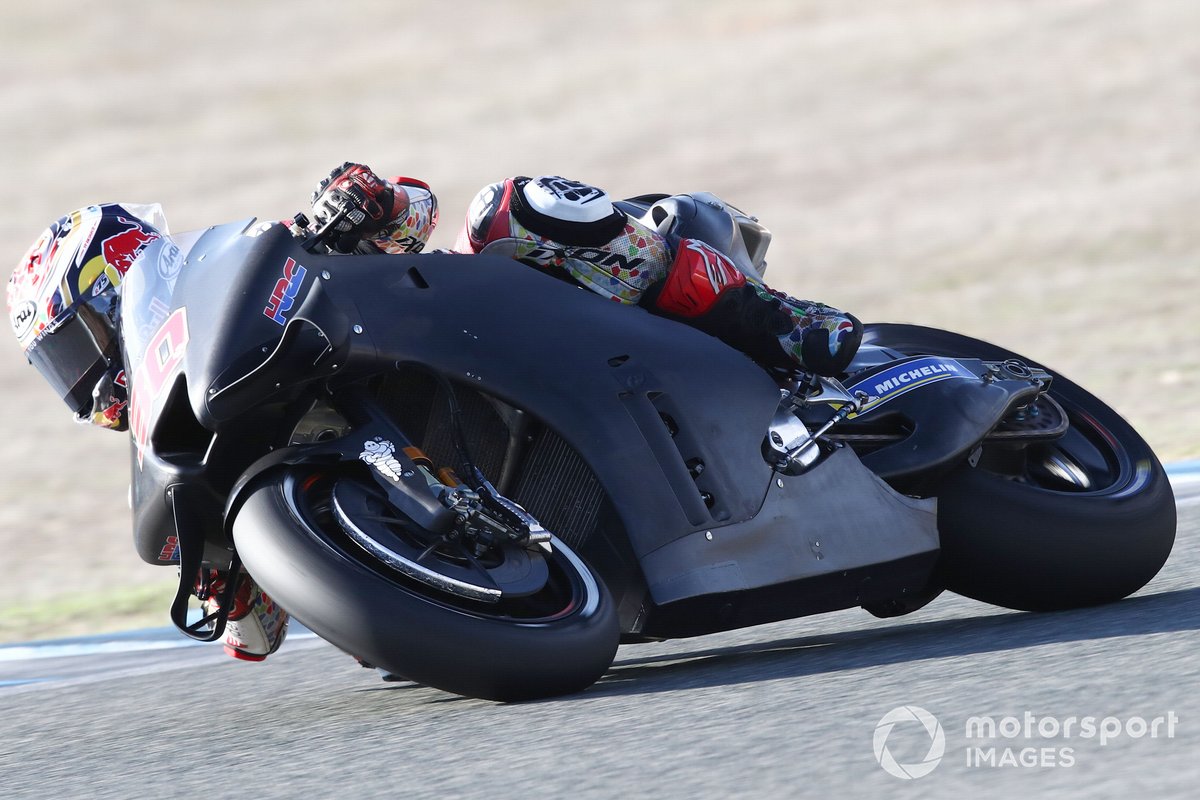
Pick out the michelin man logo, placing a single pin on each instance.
(377, 453)
(932, 728)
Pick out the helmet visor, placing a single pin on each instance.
(75, 355)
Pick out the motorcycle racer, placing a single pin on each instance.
(573, 230)
(64, 307)
(64, 310)
(64, 298)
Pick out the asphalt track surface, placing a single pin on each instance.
(780, 711)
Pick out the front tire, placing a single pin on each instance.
(1084, 520)
(557, 642)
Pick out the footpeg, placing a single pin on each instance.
(789, 446)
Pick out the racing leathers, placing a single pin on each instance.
(573, 230)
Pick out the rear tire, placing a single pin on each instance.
(557, 642)
(1027, 538)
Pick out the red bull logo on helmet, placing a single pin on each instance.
(117, 254)
(121, 249)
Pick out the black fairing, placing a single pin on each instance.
(945, 419)
(601, 375)
(640, 398)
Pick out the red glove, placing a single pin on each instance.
(365, 201)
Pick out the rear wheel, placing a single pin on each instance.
(325, 546)
(1083, 519)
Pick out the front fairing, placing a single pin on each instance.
(173, 298)
(156, 331)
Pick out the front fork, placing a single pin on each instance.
(466, 506)
(374, 440)
(470, 506)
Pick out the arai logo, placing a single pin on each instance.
(170, 262)
(22, 318)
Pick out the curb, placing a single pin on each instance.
(1183, 472)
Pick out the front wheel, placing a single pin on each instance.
(1084, 519)
(557, 635)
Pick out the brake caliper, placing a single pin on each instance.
(489, 518)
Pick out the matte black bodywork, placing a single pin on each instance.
(640, 398)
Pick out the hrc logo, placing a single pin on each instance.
(283, 296)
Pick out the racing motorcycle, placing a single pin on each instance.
(470, 473)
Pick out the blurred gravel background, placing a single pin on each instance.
(1025, 172)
